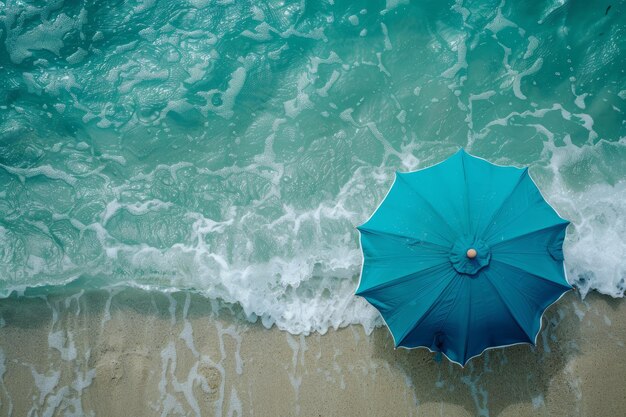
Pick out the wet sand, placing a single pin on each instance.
(138, 353)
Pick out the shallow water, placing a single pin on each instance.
(231, 147)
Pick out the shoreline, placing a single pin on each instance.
(132, 352)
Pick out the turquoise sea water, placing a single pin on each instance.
(230, 147)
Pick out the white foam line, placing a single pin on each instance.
(171, 308)
(461, 50)
(187, 333)
(517, 77)
(45, 170)
(230, 331)
(234, 405)
(298, 349)
(106, 316)
(479, 394)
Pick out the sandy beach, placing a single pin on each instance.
(136, 353)
(170, 170)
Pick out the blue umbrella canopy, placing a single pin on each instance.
(463, 256)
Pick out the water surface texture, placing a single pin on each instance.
(231, 147)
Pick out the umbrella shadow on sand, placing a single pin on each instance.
(518, 377)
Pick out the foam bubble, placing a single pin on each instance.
(596, 241)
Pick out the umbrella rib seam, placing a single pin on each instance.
(396, 280)
(517, 184)
(429, 205)
(567, 285)
(543, 229)
(467, 330)
(442, 322)
(430, 309)
(467, 198)
(539, 307)
(506, 306)
(388, 257)
(393, 236)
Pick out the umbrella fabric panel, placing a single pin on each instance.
(467, 205)
(446, 324)
(391, 257)
(492, 322)
(533, 254)
(404, 214)
(489, 187)
(436, 189)
(523, 211)
(407, 301)
(404, 324)
(526, 295)
(463, 324)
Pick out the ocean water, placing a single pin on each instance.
(231, 147)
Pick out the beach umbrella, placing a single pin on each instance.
(463, 256)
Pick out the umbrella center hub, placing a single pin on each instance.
(468, 256)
